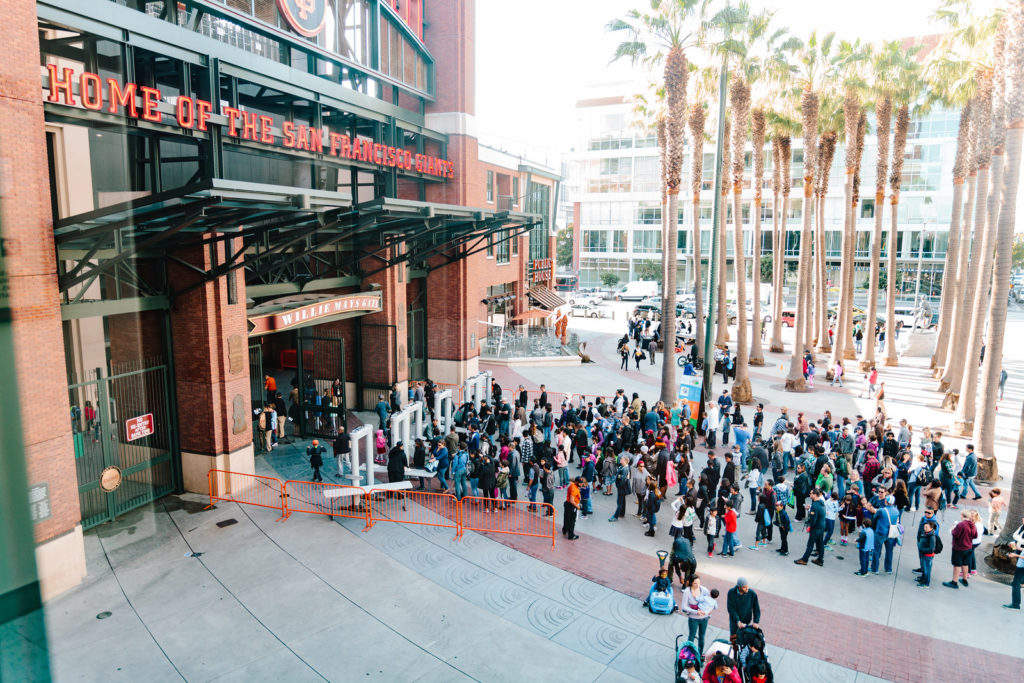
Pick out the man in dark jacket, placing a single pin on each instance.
(342, 448)
(730, 469)
(816, 535)
(622, 486)
(396, 399)
(711, 470)
(743, 607)
(397, 462)
(801, 487)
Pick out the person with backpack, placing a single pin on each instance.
(865, 546)
(887, 533)
(622, 485)
(928, 546)
(785, 525)
(801, 489)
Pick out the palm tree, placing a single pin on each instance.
(826, 154)
(739, 96)
(966, 346)
(757, 132)
(784, 183)
(722, 333)
(1007, 212)
(851, 114)
(1012, 123)
(666, 28)
(907, 90)
(963, 423)
(795, 380)
(698, 115)
(883, 118)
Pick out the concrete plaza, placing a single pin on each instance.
(176, 592)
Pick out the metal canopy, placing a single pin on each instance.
(286, 234)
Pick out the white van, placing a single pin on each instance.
(638, 290)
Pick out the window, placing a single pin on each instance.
(706, 210)
(867, 208)
(619, 241)
(795, 213)
(490, 186)
(490, 245)
(595, 240)
(648, 214)
(515, 190)
(501, 249)
(647, 241)
(646, 174)
(515, 245)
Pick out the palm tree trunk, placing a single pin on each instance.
(778, 241)
(809, 109)
(757, 127)
(867, 358)
(1015, 508)
(675, 132)
(696, 123)
(984, 426)
(960, 277)
(840, 334)
(740, 99)
(949, 286)
(822, 332)
(899, 146)
(722, 335)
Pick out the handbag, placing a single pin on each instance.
(895, 528)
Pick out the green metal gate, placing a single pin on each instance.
(318, 416)
(126, 449)
(417, 347)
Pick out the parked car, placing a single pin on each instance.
(589, 311)
(592, 298)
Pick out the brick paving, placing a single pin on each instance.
(789, 624)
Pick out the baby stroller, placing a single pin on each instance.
(686, 651)
(751, 655)
(661, 601)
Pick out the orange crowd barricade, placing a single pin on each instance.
(246, 489)
(508, 517)
(414, 507)
(324, 498)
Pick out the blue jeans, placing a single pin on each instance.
(729, 544)
(915, 495)
(969, 481)
(474, 484)
(865, 560)
(533, 494)
(888, 544)
(442, 476)
(830, 526)
(841, 486)
(460, 484)
(1018, 579)
(926, 569)
(696, 629)
(563, 476)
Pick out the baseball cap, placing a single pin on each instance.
(889, 500)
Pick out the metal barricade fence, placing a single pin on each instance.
(514, 517)
(457, 393)
(246, 489)
(414, 507)
(324, 498)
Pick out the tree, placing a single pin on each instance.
(1018, 252)
(666, 29)
(767, 274)
(1010, 122)
(722, 324)
(782, 184)
(563, 246)
(883, 118)
(609, 279)
(649, 270)
(739, 94)
(697, 119)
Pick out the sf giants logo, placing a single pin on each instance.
(306, 17)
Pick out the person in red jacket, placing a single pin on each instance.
(964, 534)
(729, 519)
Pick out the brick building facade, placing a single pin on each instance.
(145, 233)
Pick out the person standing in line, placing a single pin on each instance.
(816, 534)
(697, 604)
(382, 411)
(316, 460)
(267, 425)
(1017, 546)
(927, 548)
(865, 546)
(729, 542)
(342, 449)
(548, 489)
(963, 545)
(270, 385)
(571, 508)
(622, 488)
(743, 607)
(397, 462)
(282, 414)
(785, 526)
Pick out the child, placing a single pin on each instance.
(690, 673)
(608, 471)
(729, 519)
(975, 517)
(651, 506)
(996, 504)
(712, 527)
(847, 518)
(810, 375)
(785, 526)
(764, 521)
(677, 522)
(831, 514)
(586, 507)
(866, 546)
(661, 584)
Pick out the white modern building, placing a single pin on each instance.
(612, 183)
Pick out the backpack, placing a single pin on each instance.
(938, 544)
(842, 467)
(925, 476)
(263, 420)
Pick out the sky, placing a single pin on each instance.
(535, 58)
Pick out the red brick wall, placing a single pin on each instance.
(136, 335)
(451, 39)
(31, 269)
(210, 387)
